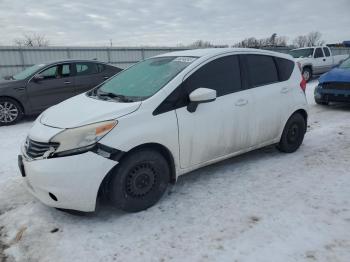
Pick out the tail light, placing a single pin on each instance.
(303, 84)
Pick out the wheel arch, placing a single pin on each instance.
(303, 113)
(161, 149)
(103, 190)
(300, 111)
(15, 99)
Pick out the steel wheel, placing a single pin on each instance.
(141, 180)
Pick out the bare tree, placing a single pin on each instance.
(314, 38)
(252, 42)
(32, 40)
(300, 41)
(201, 44)
(311, 39)
(272, 39)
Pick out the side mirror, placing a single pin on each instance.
(38, 78)
(200, 95)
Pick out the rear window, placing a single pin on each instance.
(262, 70)
(285, 68)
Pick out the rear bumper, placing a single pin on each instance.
(331, 95)
(70, 182)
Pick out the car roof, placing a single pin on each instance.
(73, 61)
(209, 52)
(307, 47)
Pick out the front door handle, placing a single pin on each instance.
(241, 102)
(19, 88)
(105, 77)
(324, 59)
(67, 82)
(284, 90)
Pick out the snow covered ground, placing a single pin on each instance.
(262, 206)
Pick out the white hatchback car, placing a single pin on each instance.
(161, 118)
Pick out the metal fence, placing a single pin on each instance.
(15, 59)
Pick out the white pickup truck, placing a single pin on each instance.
(315, 60)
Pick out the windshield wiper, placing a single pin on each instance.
(112, 95)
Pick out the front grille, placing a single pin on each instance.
(336, 85)
(36, 149)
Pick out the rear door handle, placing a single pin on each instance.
(324, 59)
(105, 77)
(284, 90)
(241, 102)
(67, 82)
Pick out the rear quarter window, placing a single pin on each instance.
(285, 68)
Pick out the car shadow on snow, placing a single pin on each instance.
(232, 168)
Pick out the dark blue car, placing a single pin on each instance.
(334, 86)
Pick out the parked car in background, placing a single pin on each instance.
(43, 85)
(334, 86)
(316, 60)
(161, 118)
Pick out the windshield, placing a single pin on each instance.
(144, 79)
(300, 53)
(27, 72)
(345, 64)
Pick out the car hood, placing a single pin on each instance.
(83, 110)
(336, 75)
(11, 83)
(301, 59)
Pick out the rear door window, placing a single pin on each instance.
(86, 68)
(326, 51)
(261, 70)
(318, 53)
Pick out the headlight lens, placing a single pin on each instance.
(80, 137)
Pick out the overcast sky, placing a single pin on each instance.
(168, 23)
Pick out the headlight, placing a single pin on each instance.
(82, 137)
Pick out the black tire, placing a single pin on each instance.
(293, 134)
(307, 74)
(11, 111)
(139, 181)
(323, 103)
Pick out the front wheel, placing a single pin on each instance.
(139, 181)
(10, 112)
(293, 134)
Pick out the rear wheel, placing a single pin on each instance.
(307, 74)
(293, 134)
(10, 111)
(139, 181)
